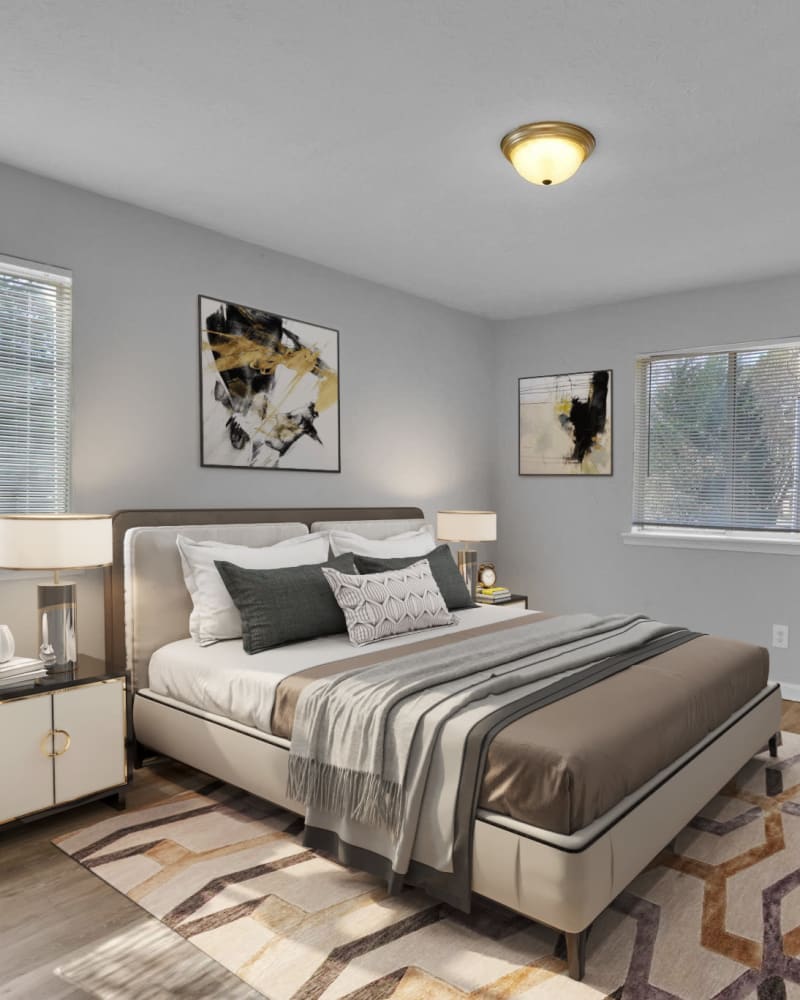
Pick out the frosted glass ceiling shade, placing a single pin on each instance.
(55, 541)
(547, 152)
(466, 525)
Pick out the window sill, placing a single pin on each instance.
(743, 542)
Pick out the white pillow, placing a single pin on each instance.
(418, 542)
(214, 616)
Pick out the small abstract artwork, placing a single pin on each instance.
(269, 390)
(565, 425)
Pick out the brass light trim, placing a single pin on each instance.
(568, 131)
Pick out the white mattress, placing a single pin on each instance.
(225, 681)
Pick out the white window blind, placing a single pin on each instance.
(717, 439)
(35, 380)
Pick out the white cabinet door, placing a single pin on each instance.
(90, 733)
(26, 773)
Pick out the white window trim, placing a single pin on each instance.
(730, 540)
(743, 345)
(772, 543)
(51, 272)
(59, 276)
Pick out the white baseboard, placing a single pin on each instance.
(791, 692)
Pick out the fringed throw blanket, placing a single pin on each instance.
(387, 753)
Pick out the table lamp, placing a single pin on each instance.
(56, 542)
(467, 526)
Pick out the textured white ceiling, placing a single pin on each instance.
(363, 134)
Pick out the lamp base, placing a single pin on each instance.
(468, 568)
(58, 623)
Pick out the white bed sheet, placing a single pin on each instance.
(224, 680)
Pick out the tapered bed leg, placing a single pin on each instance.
(773, 745)
(576, 954)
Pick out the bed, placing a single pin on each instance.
(559, 830)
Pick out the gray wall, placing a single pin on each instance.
(560, 538)
(429, 409)
(410, 369)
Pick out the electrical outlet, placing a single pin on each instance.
(780, 636)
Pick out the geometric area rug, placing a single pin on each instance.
(717, 918)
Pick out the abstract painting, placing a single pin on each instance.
(565, 425)
(269, 390)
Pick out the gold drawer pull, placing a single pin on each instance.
(52, 733)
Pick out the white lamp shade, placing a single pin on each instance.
(466, 525)
(55, 541)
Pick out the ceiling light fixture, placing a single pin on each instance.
(547, 152)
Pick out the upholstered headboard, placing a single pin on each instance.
(147, 604)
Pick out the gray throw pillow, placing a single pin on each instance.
(284, 605)
(443, 567)
(380, 605)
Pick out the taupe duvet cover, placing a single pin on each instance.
(567, 763)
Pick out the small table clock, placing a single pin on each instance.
(487, 575)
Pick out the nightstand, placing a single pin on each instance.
(515, 601)
(63, 741)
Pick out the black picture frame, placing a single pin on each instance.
(203, 353)
(610, 419)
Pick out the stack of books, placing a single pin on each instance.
(20, 670)
(492, 595)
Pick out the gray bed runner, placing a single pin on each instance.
(388, 759)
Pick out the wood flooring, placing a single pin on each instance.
(54, 912)
(790, 717)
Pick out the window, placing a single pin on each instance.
(35, 362)
(717, 440)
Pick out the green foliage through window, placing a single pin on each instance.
(717, 442)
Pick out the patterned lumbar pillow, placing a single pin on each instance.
(379, 605)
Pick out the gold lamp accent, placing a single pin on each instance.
(547, 152)
(467, 526)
